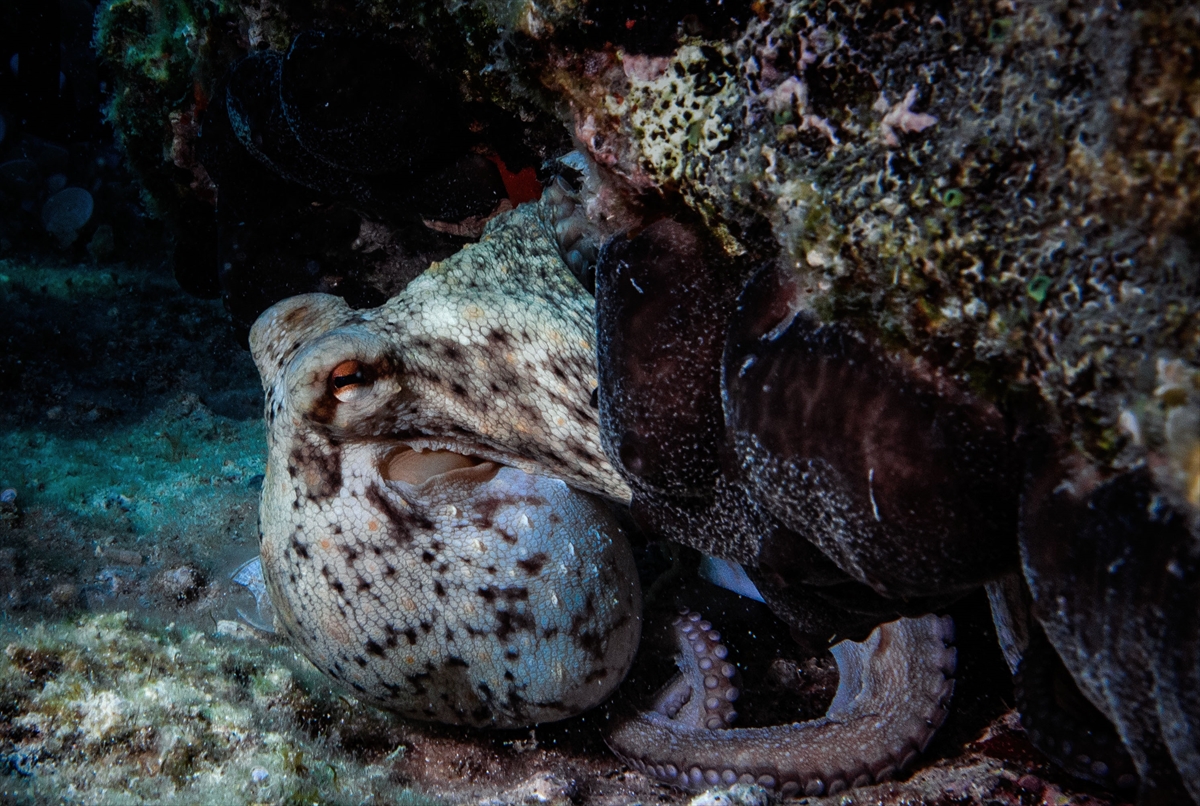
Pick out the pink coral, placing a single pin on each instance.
(901, 118)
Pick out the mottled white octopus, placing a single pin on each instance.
(433, 534)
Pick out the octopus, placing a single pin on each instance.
(431, 532)
(436, 532)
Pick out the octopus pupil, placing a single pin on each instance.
(343, 381)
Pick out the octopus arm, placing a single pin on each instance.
(893, 693)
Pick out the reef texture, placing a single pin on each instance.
(982, 219)
(1005, 190)
(893, 693)
(409, 549)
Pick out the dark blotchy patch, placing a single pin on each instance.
(403, 523)
(486, 508)
(533, 565)
(322, 462)
(416, 681)
(591, 643)
(324, 408)
(507, 623)
(300, 548)
(295, 317)
(490, 594)
(588, 641)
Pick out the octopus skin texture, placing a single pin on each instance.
(1117, 593)
(664, 300)
(852, 496)
(893, 693)
(907, 482)
(431, 535)
(856, 483)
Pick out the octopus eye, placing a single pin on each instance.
(349, 379)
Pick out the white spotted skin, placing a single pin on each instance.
(494, 346)
(501, 594)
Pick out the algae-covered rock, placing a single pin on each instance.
(1011, 193)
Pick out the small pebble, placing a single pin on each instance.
(120, 556)
(184, 583)
(258, 775)
(1030, 783)
(9, 496)
(65, 595)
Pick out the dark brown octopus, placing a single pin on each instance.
(857, 484)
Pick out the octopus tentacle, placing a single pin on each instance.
(893, 694)
(710, 704)
(1063, 724)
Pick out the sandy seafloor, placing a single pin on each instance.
(131, 433)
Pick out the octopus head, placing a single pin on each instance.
(430, 543)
